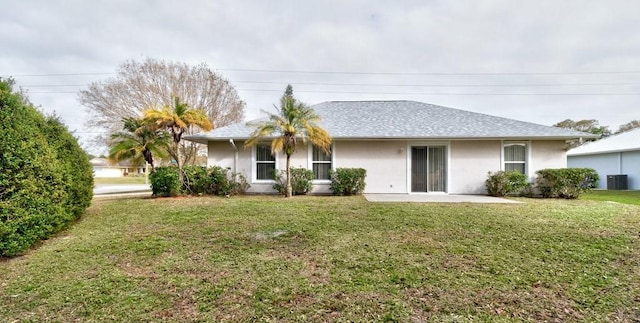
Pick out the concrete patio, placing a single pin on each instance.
(436, 198)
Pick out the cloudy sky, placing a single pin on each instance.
(538, 61)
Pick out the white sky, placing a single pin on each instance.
(537, 61)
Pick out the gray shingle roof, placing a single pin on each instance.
(408, 119)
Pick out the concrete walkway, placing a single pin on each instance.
(436, 198)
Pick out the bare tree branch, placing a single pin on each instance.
(152, 84)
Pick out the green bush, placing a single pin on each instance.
(46, 180)
(503, 183)
(566, 183)
(221, 180)
(197, 180)
(240, 184)
(348, 181)
(165, 181)
(301, 181)
(77, 172)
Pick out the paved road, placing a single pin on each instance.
(105, 189)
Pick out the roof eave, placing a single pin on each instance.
(204, 139)
(612, 151)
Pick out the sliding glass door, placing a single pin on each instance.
(428, 169)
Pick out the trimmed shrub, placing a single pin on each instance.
(196, 180)
(77, 174)
(46, 180)
(220, 181)
(301, 181)
(165, 181)
(348, 181)
(503, 183)
(566, 183)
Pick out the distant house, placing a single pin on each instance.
(102, 168)
(615, 155)
(405, 146)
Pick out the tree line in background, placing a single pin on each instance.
(594, 127)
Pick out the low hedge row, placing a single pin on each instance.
(196, 180)
(568, 183)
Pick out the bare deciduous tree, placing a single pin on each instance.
(153, 83)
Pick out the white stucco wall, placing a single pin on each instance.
(471, 160)
(387, 163)
(547, 154)
(616, 163)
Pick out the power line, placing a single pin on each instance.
(425, 73)
(405, 93)
(357, 73)
(435, 93)
(390, 85)
(57, 74)
(441, 85)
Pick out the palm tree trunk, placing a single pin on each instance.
(289, 188)
(178, 163)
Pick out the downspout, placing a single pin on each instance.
(235, 156)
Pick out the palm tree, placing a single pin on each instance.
(295, 123)
(138, 143)
(177, 120)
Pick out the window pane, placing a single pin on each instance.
(321, 163)
(437, 169)
(263, 153)
(265, 170)
(515, 152)
(321, 171)
(320, 155)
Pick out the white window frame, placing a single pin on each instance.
(527, 154)
(310, 163)
(254, 164)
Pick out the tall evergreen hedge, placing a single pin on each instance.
(46, 180)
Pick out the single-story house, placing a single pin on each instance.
(405, 147)
(102, 168)
(612, 156)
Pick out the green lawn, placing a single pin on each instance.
(626, 197)
(119, 180)
(332, 259)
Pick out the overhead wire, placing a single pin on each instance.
(403, 85)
